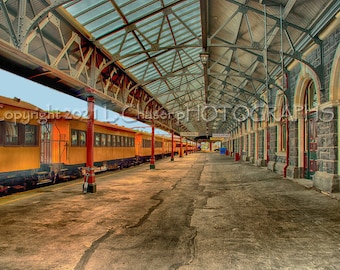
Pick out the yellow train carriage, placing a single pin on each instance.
(167, 146)
(113, 145)
(19, 135)
(143, 146)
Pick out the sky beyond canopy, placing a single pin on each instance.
(49, 99)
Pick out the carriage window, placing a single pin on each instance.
(146, 143)
(96, 139)
(12, 133)
(74, 137)
(113, 140)
(30, 135)
(2, 132)
(108, 140)
(118, 141)
(103, 139)
(82, 138)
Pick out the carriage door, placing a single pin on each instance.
(310, 130)
(45, 150)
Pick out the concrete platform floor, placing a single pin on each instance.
(202, 211)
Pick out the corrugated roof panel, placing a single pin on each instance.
(110, 19)
(140, 8)
(95, 13)
(80, 7)
(154, 87)
(190, 55)
(151, 27)
(166, 61)
(145, 71)
(133, 60)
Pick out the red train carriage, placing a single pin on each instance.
(19, 144)
(64, 144)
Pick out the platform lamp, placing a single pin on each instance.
(204, 57)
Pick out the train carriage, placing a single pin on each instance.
(143, 146)
(167, 146)
(19, 143)
(65, 144)
(39, 147)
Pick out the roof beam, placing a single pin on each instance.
(139, 20)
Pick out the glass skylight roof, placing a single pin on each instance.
(156, 40)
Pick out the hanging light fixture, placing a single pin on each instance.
(204, 57)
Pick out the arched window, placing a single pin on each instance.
(12, 133)
(284, 113)
(310, 104)
(310, 130)
(311, 97)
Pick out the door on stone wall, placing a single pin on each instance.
(310, 153)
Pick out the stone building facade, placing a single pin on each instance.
(303, 138)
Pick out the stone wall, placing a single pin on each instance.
(326, 178)
(293, 170)
(260, 162)
(329, 48)
(328, 141)
(272, 148)
(252, 145)
(260, 138)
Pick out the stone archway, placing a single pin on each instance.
(334, 83)
(305, 119)
(334, 95)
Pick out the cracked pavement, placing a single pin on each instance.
(202, 211)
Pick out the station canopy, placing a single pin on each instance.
(205, 61)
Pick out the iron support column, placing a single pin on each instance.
(180, 147)
(172, 146)
(152, 159)
(186, 147)
(89, 177)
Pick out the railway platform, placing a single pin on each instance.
(202, 211)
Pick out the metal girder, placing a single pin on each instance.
(251, 52)
(319, 70)
(138, 20)
(78, 63)
(270, 16)
(11, 31)
(24, 24)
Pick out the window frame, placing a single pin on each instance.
(74, 137)
(17, 129)
(97, 139)
(33, 134)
